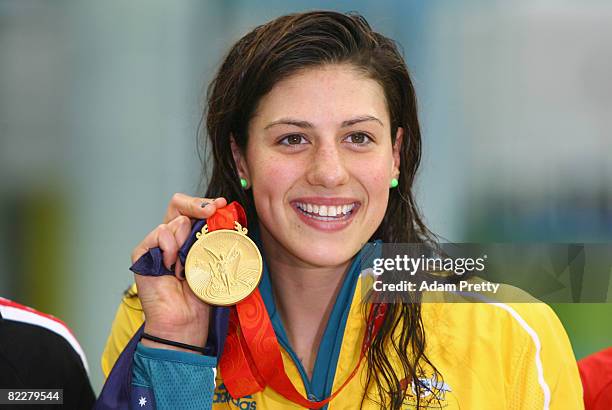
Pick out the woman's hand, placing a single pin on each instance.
(171, 309)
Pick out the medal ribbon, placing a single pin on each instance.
(251, 357)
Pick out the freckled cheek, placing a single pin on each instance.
(274, 178)
(378, 190)
(375, 180)
(373, 177)
(378, 181)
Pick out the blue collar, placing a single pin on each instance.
(329, 349)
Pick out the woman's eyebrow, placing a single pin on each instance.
(289, 121)
(359, 119)
(306, 124)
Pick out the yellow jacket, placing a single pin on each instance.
(491, 356)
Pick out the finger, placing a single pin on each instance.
(150, 241)
(192, 207)
(211, 206)
(161, 237)
(168, 245)
(180, 228)
(220, 202)
(179, 272)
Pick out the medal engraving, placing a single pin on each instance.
(224, 266)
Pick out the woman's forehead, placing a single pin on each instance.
(323, 95)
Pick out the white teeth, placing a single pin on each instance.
(330, 211)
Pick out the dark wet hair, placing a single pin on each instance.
(277, 50)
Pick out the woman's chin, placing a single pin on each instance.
(323, 255)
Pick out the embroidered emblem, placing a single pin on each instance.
(221, 395)
(432, 392)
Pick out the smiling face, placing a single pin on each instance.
(319, 159)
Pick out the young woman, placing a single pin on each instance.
(312, 119)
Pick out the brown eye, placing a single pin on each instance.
(293, 139)
(359, 138)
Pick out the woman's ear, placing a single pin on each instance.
(240, 160)
(397, 149)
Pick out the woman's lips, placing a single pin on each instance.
(326, 214)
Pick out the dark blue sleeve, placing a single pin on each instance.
(169, 379)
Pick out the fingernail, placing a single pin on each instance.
(204, 204)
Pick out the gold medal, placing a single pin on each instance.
(223, 266)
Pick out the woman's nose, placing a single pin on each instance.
(327, 167)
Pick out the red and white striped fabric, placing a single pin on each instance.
(19, 313)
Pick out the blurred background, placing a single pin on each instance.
(100, 103)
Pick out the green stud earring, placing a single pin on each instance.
(394, 182)
(244, 183)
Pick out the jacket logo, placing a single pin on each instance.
(432, 392)
(221, 395)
